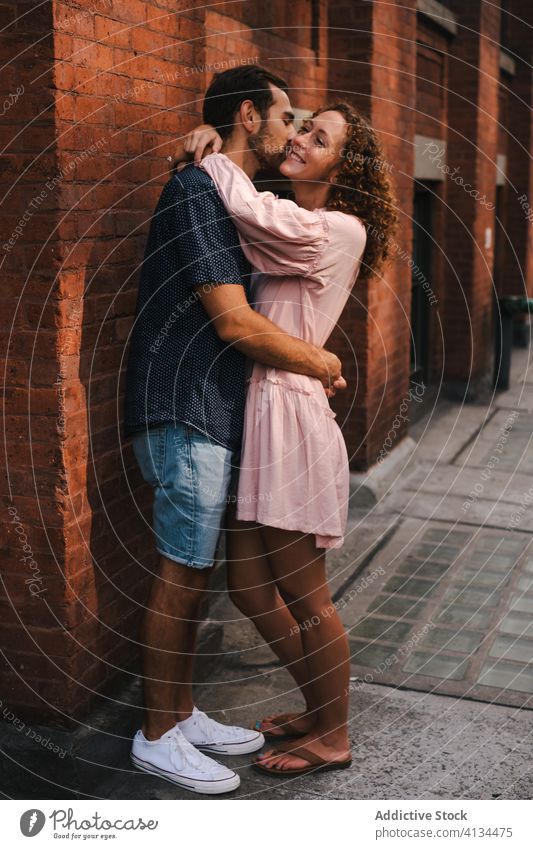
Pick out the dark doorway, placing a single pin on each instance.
(422, 244)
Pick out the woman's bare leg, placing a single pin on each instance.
(300, 572)
(253, 590)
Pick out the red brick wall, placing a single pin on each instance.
(100, 145)
(33, 602)
(472, 148)
(517, 274)
(289, 25)
(373, 55)
(128, 81)
(254, 30)
(431, 82)
(432, 121)
(503, 252)
(120, 82)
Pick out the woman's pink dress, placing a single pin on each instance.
(294, 465)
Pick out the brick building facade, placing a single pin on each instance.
(95, 94)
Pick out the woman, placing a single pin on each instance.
(292, 496)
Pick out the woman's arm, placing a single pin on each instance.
(277, 236)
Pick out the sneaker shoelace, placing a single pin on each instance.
(213, 729)
(188, 754)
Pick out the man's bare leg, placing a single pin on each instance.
(168, 644)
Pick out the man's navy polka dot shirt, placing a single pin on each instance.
(179, 370)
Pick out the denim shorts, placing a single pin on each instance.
(191, 476)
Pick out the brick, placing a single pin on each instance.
(112, 33)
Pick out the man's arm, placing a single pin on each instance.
(260, 339)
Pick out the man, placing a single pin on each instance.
(184, 408)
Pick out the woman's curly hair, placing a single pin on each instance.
(362, 187)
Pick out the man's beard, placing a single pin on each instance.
(268, 155)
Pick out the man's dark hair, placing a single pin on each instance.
(228, 89)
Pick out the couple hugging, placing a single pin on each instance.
(227, 405)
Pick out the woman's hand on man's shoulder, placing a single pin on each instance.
(198, 143)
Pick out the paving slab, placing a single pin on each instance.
(506, 439)
(450, 614)
(474, 496)
(442, 434)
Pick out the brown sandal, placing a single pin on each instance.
(316, 762)
(286, 725)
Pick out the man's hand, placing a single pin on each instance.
(201, 141)
(339, 385)
(332, 379)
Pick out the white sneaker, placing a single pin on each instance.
(205, 733)
(173, 758)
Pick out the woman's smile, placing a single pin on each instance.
(296, 157)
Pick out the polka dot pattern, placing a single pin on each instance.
(178, 368)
